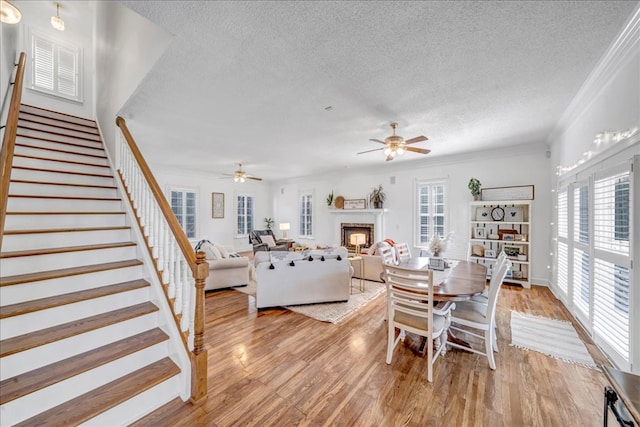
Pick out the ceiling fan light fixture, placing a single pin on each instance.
(56, 21)
(9, 14)
(387, 151)
(400, 151)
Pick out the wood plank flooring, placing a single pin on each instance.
(276, 367)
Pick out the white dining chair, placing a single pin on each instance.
(410, 309)
(469, 317)
(484, 296)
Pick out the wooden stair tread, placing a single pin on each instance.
(57, 150)
(73, 271)
(56, 141)
(38, 196)
(67, 184)
(48, 251)
(62, 171)
(70, 162)
(93, 122)
(93, 131)
(64, 230)
(59, 332)
(83, 138)
(70, 298)
(29, 382)
(93, 403)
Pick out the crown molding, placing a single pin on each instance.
(621, 50)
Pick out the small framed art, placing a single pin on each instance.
(489, 253)
(217, 205)
(508, 237)
(483, 214)
(479, 233)
(513, 214)
(355, 204)
(512, 251)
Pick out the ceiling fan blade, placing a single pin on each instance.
(416, 139)
(418, 150)
(377, 140)
(255, 178)
(369, 151)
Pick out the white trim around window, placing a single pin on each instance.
(184, 204)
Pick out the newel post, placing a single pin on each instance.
(199, 353)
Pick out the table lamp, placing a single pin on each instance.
(357, 239)
(284, 226)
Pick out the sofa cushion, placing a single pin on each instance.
(268, 240)
(223, 251)
(211, 251)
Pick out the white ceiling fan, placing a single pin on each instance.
(396, 145)
(241, 176)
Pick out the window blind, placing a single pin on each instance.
(611, 306)
(55, 68)
(431, 211)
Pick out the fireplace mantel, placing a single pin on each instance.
(377, 214)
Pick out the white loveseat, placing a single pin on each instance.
(225, 269)
(309, 280)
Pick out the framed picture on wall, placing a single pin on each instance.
(217, 205)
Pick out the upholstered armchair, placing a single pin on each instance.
(265, 240)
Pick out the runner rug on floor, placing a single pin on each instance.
(555, 338)
(331, 312)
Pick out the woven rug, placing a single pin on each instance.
(332, 312)
(555, 338)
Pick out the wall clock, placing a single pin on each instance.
(497, 213)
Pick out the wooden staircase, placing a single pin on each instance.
(82, 339)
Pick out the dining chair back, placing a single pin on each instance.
(471, 316)
(403, 253)
(410, 309)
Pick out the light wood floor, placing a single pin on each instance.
(276, 367)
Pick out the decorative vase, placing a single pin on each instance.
(378, 205)
(477, 197)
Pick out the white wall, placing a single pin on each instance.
(8, 57)
(36, 16)
(127, 46)
(219, 230)
(524, 165)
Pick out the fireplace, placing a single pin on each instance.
(347, 229)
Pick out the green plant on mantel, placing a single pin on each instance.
(474, 186)
(377, 197)
(330, 198)
(268, 222)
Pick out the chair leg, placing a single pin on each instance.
(430, 360)
(391, 331)
(488, 347)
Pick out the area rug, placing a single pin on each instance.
(555, 338)
(332, 312)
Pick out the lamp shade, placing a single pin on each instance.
(357, 239)
(284, 226)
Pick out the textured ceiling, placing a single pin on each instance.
(249, 81)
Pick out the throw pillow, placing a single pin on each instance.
(211, 251)
(223, 251)
(268, 240)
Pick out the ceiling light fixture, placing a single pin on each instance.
(56, 21)
(9, 14)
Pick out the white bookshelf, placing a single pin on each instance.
(502, 225)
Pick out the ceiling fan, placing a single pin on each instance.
(396, 145)
(241, 176)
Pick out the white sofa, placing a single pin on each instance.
(306, 282)
(225, 270)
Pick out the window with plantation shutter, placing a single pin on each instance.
(55, 68)
(431, 202)
(563, 227)
(306, 215)
(562, 278)
(244, 214)
(184, 207)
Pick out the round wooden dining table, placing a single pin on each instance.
(461, 281)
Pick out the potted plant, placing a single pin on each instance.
(330, 199)
(268, 223)
(377, 197)
(474, 186)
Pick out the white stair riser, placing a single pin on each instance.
(30, 322)
(36, 204)
(47, 354)
(46, 262)
(56, 129)
(61, 166)
(62, 285)
(61, 190)
(19, 242)
(139, 405)
(46, 176)
(49, 121)
(68, 156)
(56, 116)
(76, 148)
(56, 394)
(90, 142)
(30, 222)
